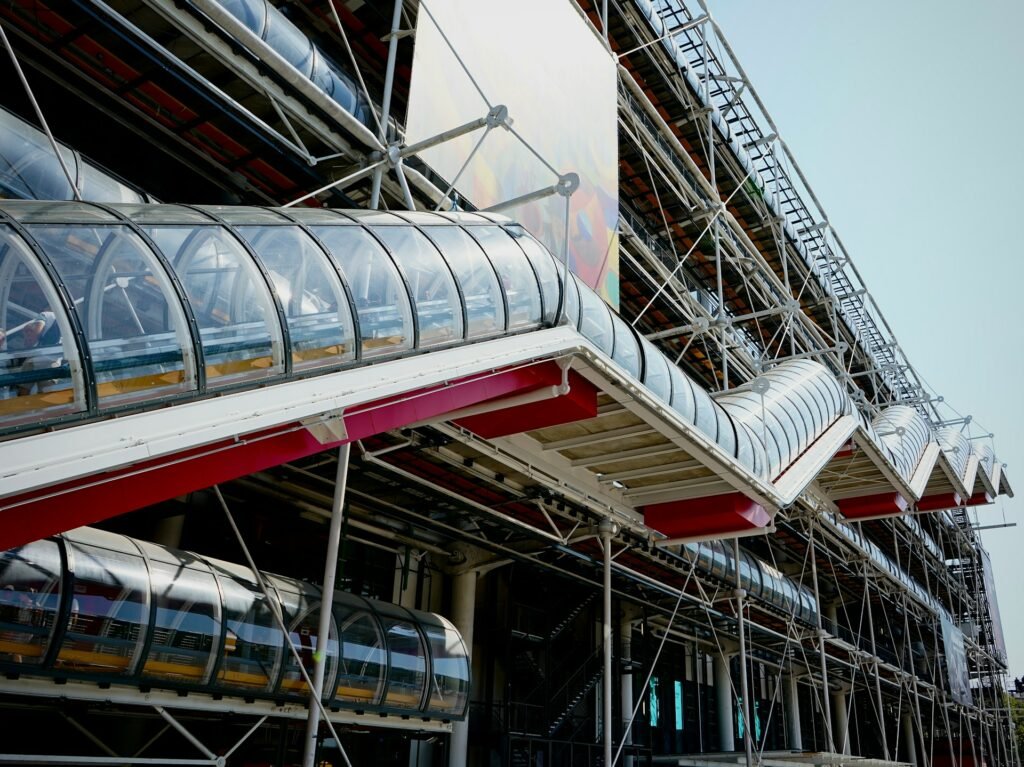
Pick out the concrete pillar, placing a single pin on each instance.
(832, 618)
(463, 613)
(791, 702)
(724, 707)
(841, 725)
(909, 742)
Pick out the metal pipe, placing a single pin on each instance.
(326, 602)
(791, 697)
(740, 593)
(826, 703)
(607, 529)
(723, 702)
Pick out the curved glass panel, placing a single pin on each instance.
(252, 641)
(252, 13)
(364, 658)
(438, 306)
(481, 293)
(47, 212)
(109, 608)
(30, 579)
(596, 321)
(300, 604)
(382, 302)
(320, 325)
(544, 265)
(40, 373)
(726, 431)
(97, 185)
(232, 305)
(656, 375)
(285, 38)
(704, 409)
(627, 350)
(572, 300)
(132, 318)
(28, 167)
(449, 665)
(682, 394)
(407, 677)
(187, 624)
(518, 280)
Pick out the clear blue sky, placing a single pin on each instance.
(907, 118)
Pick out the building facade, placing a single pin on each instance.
(257, 351)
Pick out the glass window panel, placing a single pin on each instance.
(133, 321)
(627, 350)
(682, 394)
(363, 663)
(320, 324)
(109, 610)
(312, 216)
(572, 300)
(246, 215)
(285, 38)
(596, 321)
(101, 187)
(704, 409)
(162, 214)
(372, 217)
(38, 212)
(517, 277)
(449, 687)
(231, 302)
(302, 614)
(481, 293)
(30, 589)
(467, 217)
(382, 302)
(40, 373)
(253, 643)
(187, 626)
(438, 307)
(252, 13)
(424, 218)
(656, 375)
(544, 266)
(28, 167)
(726, 432)
(408, 658)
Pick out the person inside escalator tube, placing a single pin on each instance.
(40, 338)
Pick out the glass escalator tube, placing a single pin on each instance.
(98, 606)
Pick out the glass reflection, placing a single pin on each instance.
(133, 321)
(40, 375)
(438, 306)
(29, 601)
(320, 324)
(481, 293)
(518, 280)
(232, 305)
(382, 303)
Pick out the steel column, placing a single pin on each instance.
(326, 603)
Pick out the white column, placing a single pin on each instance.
(723, 698)
(791, 701)
(842, 723)
(907, 735)
(463, 613)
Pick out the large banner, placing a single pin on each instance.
(997, 638)
(540, 59)
(956, 663)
